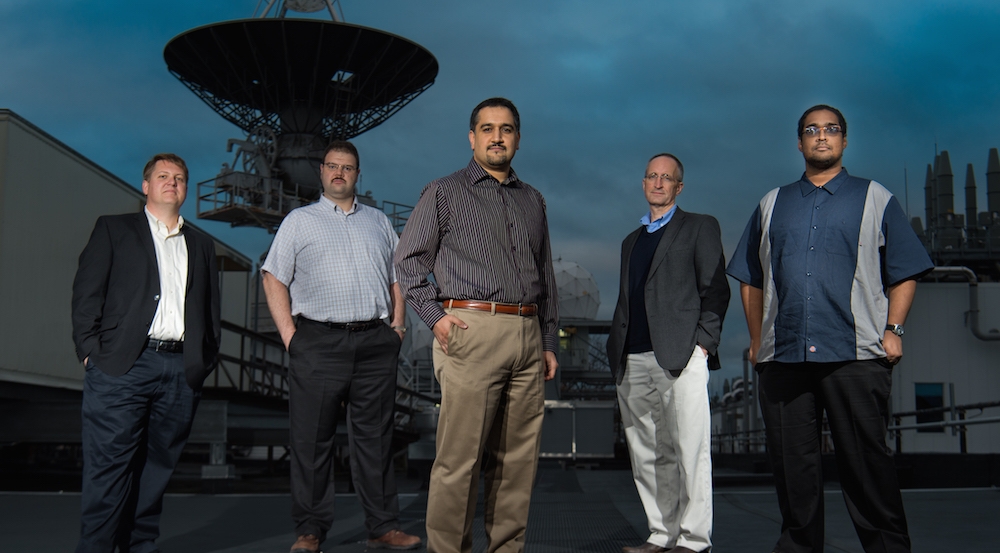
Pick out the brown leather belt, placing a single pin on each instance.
(522, 309)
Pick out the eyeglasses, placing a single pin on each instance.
(348, 169)
(832, 130)
(664, 178)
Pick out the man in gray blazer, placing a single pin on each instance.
(663, 340)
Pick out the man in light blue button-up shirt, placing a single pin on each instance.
(331, 289)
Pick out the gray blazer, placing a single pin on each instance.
(687, 294)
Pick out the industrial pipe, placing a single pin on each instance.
(973, 299)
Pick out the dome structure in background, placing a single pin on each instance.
(579, 297)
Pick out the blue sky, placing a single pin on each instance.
(601, 87)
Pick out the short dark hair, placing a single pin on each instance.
(821, 107)
(345, 147)
(680, 166)
(147, 171)
(495, 103)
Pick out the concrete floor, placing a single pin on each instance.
(572, 510)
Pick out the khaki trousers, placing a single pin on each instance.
(492, 405)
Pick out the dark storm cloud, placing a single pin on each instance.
(601, 87)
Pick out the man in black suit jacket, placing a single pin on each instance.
(146, 328)
(663, 340)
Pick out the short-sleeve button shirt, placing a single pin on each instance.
(825, 257)
(337, 264)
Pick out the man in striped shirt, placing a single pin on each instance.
(827, 268)
(330, 286)
(483, 233)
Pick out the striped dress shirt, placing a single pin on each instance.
(482, 240)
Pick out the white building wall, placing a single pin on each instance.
(50, 197)
(939, 347)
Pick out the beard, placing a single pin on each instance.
(823, 163)
(497, 160)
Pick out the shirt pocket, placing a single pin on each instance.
(841, 238)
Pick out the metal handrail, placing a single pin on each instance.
(261, 369)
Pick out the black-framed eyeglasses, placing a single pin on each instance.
(831, 130)
(348, 169)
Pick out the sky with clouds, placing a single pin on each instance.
(601, 86)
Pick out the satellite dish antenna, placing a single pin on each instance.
(302, 6)
(306, 6)
(292, 85)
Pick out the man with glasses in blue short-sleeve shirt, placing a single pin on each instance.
(827, 268)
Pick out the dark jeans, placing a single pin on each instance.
(855, 397)
(134, 428)
(357, 368)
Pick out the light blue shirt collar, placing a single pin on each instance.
(653, 226)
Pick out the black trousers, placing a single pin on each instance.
(134, 429)
(357, 368)
(855, 397)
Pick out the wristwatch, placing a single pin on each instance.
(895, 329)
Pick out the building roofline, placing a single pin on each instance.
(242, 261)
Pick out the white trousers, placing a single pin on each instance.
(668, 429)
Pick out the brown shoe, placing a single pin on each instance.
(682, 549)
(644, 548)
(306, 543)
(395, 539)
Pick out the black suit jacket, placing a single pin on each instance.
(687, 294)
(117, 289)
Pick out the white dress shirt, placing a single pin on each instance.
(172, 262)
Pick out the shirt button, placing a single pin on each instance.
(156, 297)
(814, 227)
(811, 248)
(809, 274)
(812, 349)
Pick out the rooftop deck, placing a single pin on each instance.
(572, 510)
